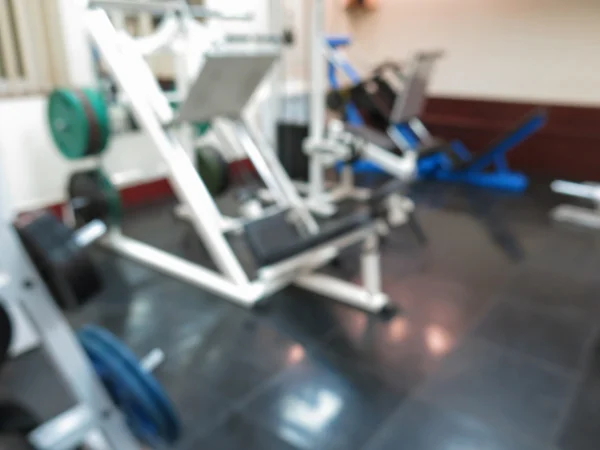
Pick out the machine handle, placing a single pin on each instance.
(90, 233)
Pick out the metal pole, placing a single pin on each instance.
(183, 176)
(318, 71)
(317, 97)
(277, 75)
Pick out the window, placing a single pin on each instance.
(31, 53)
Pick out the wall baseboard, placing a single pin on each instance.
(156, 190)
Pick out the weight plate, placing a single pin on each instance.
(143, 417)
(68, 123)
(93, 196)
(213, 169)
(97, 101)
(78, 122)
(6, 331)
(15, 418)
(152, 387)
(66, 268)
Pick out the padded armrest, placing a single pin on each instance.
(273, 239)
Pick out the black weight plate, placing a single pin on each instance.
(79, 121)
(213, 169)
(15, 418)
(93, 197)
(6, 331)
(65, 267)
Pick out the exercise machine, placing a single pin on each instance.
(287, 243)
(386, 107)
(331, 143)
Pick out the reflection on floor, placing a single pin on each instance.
(495, 349)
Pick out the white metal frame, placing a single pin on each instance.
(588, 217)
(230, 280)
(326, 145)
(94, 417)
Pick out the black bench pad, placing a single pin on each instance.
(273, 239)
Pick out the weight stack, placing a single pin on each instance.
(292, 130)
(290, 140)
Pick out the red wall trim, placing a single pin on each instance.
(156, 190)
(133, 195)
(567, 147)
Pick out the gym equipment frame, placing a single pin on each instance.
(94, 418)
(327, 145)
(445, 161)
(225, 82)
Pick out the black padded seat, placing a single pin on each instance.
(273, 239)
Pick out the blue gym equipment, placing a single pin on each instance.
(147, 408)
(372, 103)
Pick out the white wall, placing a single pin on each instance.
(36, 172)
(538, 50)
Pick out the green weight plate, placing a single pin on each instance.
(78, 122)
(68, 123)
(98, 104)
(213, 169)
(93, 196)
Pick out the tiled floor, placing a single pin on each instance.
(496, 347)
